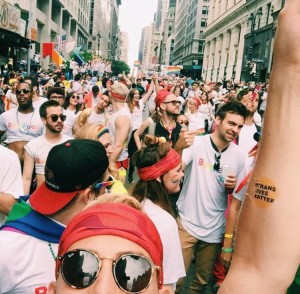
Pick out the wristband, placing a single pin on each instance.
(229, 236)
(227, 250)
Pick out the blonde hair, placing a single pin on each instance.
(89, 131)
(116, 198)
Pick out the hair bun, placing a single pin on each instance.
(161, 140)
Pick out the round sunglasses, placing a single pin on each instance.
(132, 272)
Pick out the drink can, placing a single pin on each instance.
(225, 170)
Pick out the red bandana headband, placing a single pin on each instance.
(171, 160)
(118, 96)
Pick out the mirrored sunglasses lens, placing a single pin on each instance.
(79, 268)
(133, 273)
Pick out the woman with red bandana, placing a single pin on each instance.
(159, 169)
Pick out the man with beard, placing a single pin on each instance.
(36, 151)
(23, 123)
(168, 105)
(97, 114)
(58, 94)
(203, 198)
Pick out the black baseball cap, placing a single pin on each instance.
(70, 168)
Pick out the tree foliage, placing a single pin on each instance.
(118, 66)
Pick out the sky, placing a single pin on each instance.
(134, 15)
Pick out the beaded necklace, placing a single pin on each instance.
(52, 252)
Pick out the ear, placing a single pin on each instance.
(51, 288)
(43, 120)
(218, 120)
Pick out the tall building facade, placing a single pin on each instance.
(103, 29)
(50, 18)
(167, 31)
(239, 39)
(123, 47)
(190, 23)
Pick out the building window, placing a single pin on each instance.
(203, 22)
(205, 10)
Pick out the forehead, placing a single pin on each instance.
(105, 97)
(181, 117)
(54, 110)
(234, 117)
(56, 94)
(106, 245)
(23, 86)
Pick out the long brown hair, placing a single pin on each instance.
(130, 101)
(156, 148)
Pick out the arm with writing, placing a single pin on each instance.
(267, 251)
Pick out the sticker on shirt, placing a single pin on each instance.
(265, 193)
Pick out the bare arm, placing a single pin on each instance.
(122, 130)
(149, 92)
(146, 123)
(229, 230)
(6, 203)
(267, 251)
(27, 172)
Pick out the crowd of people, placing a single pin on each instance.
(76, 215)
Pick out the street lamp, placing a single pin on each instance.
(252, 19)
(98, 38)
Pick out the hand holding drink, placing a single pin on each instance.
(227, 177)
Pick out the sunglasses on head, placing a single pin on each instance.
(25, 91)
(183, 122)
(132, 272)
(217, 163)
(55, 117)
(173, 102)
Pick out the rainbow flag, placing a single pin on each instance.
(173, 70)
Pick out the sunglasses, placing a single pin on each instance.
(217, 163)
(183, 122)
(55, 117)
(75, 97)
(173, 102)
(132, 273)
(25, 91)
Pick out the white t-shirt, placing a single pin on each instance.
(97, 118)
(39, 148)
(10, 175)
(111, 125)
(37, 104)
(166, 225)
(196, 121)
(137, 115)
(204, 109)
(27, 265)
(246, 142)
(203, 198)
(69, 122)
(20, 126)
(12, 96)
